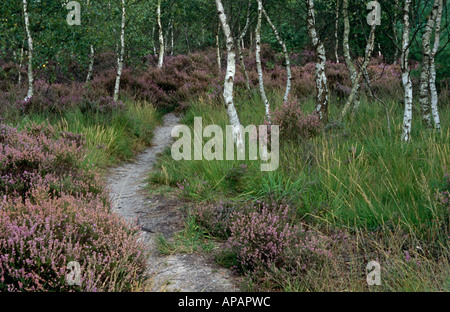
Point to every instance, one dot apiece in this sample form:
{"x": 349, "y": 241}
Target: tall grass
{"x": 354, "y": 176}
{"x": 110, "y": 137}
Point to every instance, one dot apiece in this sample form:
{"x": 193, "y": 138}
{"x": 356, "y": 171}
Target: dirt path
{"x": 178, "y": 272}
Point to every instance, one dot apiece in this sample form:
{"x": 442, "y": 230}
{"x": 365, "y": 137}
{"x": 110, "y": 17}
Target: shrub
{"x": 260, "y": 238}
{"x": 54, "y": 210}
{"x": 294, "y": 124}
{"x": 41, "y": 235}
{"x": 263, "y": 237}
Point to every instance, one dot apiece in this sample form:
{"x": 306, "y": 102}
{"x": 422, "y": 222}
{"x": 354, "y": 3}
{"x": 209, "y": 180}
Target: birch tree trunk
{"x": 91, "y": 64}
{"x": 219, "y": 58}
{"x": 30, "y": 53}
{"x": 336, "y": 37}
{"x": 394, "y": 31}
{"x": 229, "y": 78}
{"x": 240, "y": 49}
{"x": 258, "y": 62}
{"x": 161, "y": 36}
{"x": 424, "y": 99}
{"x": 346, "y": 47}
{"x": 432, "y": 82}
{"x": 153, "y": 40}
{"x": 19, "y": 79}
{"x": 362, "y": 70}
{"x": 286, "y": 57}
{"x": 91, "y": 58}
{"x": 406, "y": 77}
{"x": 321, "y": 78}
{"x": 121, "y": 54}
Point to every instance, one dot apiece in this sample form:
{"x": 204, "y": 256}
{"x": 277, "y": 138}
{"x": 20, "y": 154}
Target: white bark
{"x": 258, "y": 62}
{"x": 91, "y": 59}
{"x": 321, "y": 78}
{"x": 348, "y": 59}
{"x": 425, "y": 70}
{"x": 30, "y": 53}
{"x": 19, "y": 80}
{"x": 161, "y": 36}
{"x": 432, "y": 82}
{"x": 286, "y": 57}
{"x": 153, "y": 40}
{"x": 121, "y": 54}
{"x": 91, "y": 64}
{"x": 394, "y": 30}
{"x": 229, "y": 78}
{"x": 362, "y": 70}
{"x": 406, "y": 77}
{"x": 240, "y": 49}
{"x": 219, "y": 58}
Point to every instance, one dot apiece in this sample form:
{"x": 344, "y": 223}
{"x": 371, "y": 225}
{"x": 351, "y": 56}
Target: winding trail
{"x": 157, "y": 214}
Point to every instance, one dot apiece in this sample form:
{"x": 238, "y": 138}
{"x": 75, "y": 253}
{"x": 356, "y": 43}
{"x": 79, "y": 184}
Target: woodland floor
{"x": 163, "y": 215}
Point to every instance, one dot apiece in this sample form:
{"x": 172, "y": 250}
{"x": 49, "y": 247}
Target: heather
{"x": 54, "y": 210}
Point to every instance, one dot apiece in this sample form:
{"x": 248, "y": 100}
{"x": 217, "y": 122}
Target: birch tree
{"x": 286, "y": 57}
{"x": 240, "y": 49}
{"x": 229, "y": 78}
{"x": 91, "y": 58}
{"x": 425, "y": 70}
{"x": 121, "y": 54}
{"x": 406, "y": 77}
{"x": 336, "y": 28}
{"x": 160, "y": 35}
{"x": 346, "y": 48}
{"x": 432, "y": 83}
{"x": 30, "y": 53}
{"x": 356, "y": 81}
{"x": 320, "y": 76}
{"x": 219, "y": 58}
{"x": 258, "y": 61}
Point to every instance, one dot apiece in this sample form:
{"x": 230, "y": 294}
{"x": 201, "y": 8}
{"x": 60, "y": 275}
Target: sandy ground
{"x": 159, "y": 214}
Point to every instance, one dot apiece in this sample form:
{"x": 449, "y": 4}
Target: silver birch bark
{"x": 258, "y": 62}
{"x": 394, "y": 31}
{"x": 161, "y": 36}
{"x": 432, "y": 82}
{"x": 153, "y": 40}
{"x": 286, "y": 57}
{"x": 219, "y": 59}
{"x": 346, "y": 47}
{"x": 362, "y": 70}
{"x": 229, "y": 78}
{"x": 320, "y": 76}
{"x": 121, "y": 54}
{"x": 424, "y": 99}
{"x": 30, "y": 53}
{"x": 91, "y": 59}
{"x": 19, "y": 80}
{"x": 406, "y": 77}
{"x": 240, "y": 49}
{"x": 91, "y": 64}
